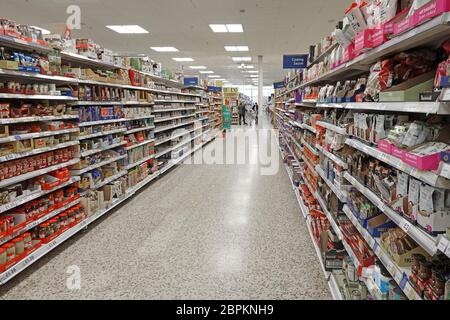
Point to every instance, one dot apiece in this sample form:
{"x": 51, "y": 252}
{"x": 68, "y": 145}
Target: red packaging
{"x": 431, "y": 10}
{"x": 363, "y": 41}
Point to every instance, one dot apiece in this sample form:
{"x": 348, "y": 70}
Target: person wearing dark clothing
{"x": 241, "y": 110}
{"x": 256, "y": 110}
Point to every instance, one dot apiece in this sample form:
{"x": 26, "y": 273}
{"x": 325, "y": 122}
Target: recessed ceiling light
{"x": 254, "y": 76}
{"x": 252, "y": 71}
{"x": 236, "y": 48}
{"x": 207, "y": 72}
{"x": 221, "y": 79}
{"x": 214, "y": 76}
{"x": 245, "y": 67}
{"x": 225, "y": 81}
{"x": 241, "y": 59}
{"x": 197, "y": 67}
{"x": 44, "y": 31}
{"x": 183, "y": 59}
{"x": 164, "y": 49}
{"x": 127, "y": 28}
{"x": 222, "y": 28}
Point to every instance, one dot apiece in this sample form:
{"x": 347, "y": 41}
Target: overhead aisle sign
{"x": 278, "y": 85}
{"x": 191, "y": 81}
{"x": 295, "y": 61}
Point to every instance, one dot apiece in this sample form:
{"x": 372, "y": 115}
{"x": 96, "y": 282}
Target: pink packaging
{"x": 385, "y": 146}
{"x": 429, "y": 162}
{"x": 379, "y": 36}
{"x": 349, "y": 53}
{"x": 397, "y": 152}
{"x": 363, "y": 40}
{"x": 404, "y": 25}
{"x": 431, "y": 10}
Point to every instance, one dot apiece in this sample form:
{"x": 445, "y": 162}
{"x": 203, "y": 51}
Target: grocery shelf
{"x": 444, "y": 245}
{"x": 332, "y": 127}
{"x": 139, "y": 129}
{"x": 109, "y": 180}
{"x": 37, "y": 222}
{"x": 323, "y": 55}
{"x": 341, "y": 196}
{"x": 36, "y": 173}
{"x": 157, "y": 143}
{"x": 425, "y": 240}
{"x": 37, "y": 119}
{"x": 334, "y": 288}
{"x": 100, "y": 122}
{"x": 101, "y": 149}
{"x": 135, "y": 164}
{"x": 332, "y": 157}
{"x": 33, "y": 152}
{"x": 429, "y": 177}
{"x": 173, "y": 127}
{"x": 330, "y": 218}
{"x": 310, "y": 166}
{"x": 25, "y": 136}
{"x": 174, "y": 101}
{"x": 97, "y": 165}
{"x": 307, "y": 127}
{"x": 99, "y": 103}
{"x": 412, "y": 107}
{"x": 134, "y": 146}
{"x": 17, "y": 43}
{"x": 311, "y": 148}
{"x": 173, "y": 118}
{"x": 397, "y": 273}
{"x": 101, "y": 133}
{"x": 148, "y": 116}
{"x": 170, "y": 110}
{"x": 167, "y": 150}
{"x": 36, "y": 97}
{"x": 22, "y": 200}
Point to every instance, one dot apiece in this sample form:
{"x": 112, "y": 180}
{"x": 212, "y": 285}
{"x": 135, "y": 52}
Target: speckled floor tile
{"x": 199, "y": 232}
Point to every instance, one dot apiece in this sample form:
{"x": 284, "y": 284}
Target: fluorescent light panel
{"x": 44, "y": 31}
{"x": 223, "y": 28}
{"x": 207, "y": 72}
{"x": 236, "y": 48}
{"x": 164, "y": 49}
{"x": 214, "y": 76}
{"x": 246, "y": 67}
{"x": 252, "y": 71}
{"x": 183, "y": 59}
{"x": 197, "y": 67}
{"x": 254, "y": 76}
{"x": 241, "y": 59}
{"x": 129, "y": 28}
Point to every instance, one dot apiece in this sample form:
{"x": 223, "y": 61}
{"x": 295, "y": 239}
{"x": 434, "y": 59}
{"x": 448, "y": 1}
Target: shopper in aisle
{"x": 256, "y": 110}
{"x": 242, "y": 111}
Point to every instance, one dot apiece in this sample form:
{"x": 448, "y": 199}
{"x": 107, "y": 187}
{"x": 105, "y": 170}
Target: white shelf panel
{"x": 330, "y": 217}
{"x": 426, "y": 241}
{"x": 100, "y": 122}
{"x": 341, "y": 196}
{"x": 140, "y": 118}
{"x": 19, "y": 137}
{"x": 36, "y": 97}
{"x": 310, "y": 166}
{"x": 170, "y": 110}
{"x": 175, "y": 101}
{"x": 157, "y": 143}
{"x": 135, "y": 164}
{"x": 139, "y": 144}
{"x": 173, "y": 127}
{"x": 109, "y": 180}
{"x": 97, "y": 165}
{"x": 22, "y": 44}
{"x": 102, "y": 133}
{"x": 426, "y": 176}
{"x": 311, "y": 148}
{"x": 111, "y": 146}
{"x": 139, "y": 129}
{"x": 332, "y": 157}
{"x": 35, "y": 195}
{"x": 307, "y": 127}
{"x": 332, "y": 127}
{"x": 15, "y": 74}
{"x": 37, "y": 119}
{"x": 33, "y": 152}
{"x": 157, "y": 120}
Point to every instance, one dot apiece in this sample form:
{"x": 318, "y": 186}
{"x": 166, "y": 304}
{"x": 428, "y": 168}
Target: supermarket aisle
{"x": 201, "y": 232}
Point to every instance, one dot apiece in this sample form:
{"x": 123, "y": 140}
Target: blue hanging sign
{"x": 295, "y": 61}
{"x": 278, "y": 85}
{"x": 191, "y": 81}
{"x": 215, "y": 89}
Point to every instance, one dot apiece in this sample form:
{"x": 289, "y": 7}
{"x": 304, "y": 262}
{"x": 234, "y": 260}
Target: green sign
{"x": 226, "y": 118}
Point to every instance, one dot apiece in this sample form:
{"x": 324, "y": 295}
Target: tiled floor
{"x": 200, "y": 232}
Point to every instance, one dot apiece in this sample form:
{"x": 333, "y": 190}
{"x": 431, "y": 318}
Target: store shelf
{"x": 97, "y": 165}
{"x": 36, "y": 97}
{"x": 22, "y": 200}
{"x": 109, "y": 180}
{"x": 323, "y": 55}
{"x": 175, "y": 101}
{"x": 139, "y": 129}
{"x": 33, "y": 174}
{"x": 99, "y": 103}
{"x": 98, "y": 150}
{"x": 307, "y": 127}
{"x": 182, "y": 143}
{"x": 173, "y": 127}
{"x": 149, "y": 116}
{"x": 397, "y": 273}
{"x": 341, "y": 196}
{"x": 332, "y": 127}
{"x": 157, "y": 120}
{"x": 102, "y": 133}
{"x": 426, "y": 176}
{"x": 79, "y": 60}
{"x": 311, "y": 148}
{"x": 33, "y": 152}
{"x": 37, "y": 222}
{"x": 25, "y": 136}
{"x": 332, "y": 157}
{"x": 411, "y": 107}
{"x": 139, "y": 144}
{"x": 157, "y": 143}
{"x": 37, "y": 119}
{"x": 100, "y": 122}
{"x": 334, "y": 288}
{"x": 16, "y": 43}
{"x": 426, "y": 241}
{"x": 135, "y": 164}
{"x": 170, "y": 110}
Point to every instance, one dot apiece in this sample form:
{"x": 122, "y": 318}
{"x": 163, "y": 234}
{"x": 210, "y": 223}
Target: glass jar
{"x": 2, "y": 256}
{"x": 63, "y": 219}
{"x": 28, "y": 243}
{"x": 44, "y": 230}
{"x": 18, "y": 245}
{"x": 10, "y": 251}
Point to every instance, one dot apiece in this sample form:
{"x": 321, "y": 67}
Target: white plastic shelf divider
{"x": 33, "y": 152}
{"x": 332, "y": 157}
{"x": 332, "y": 127}
{"x": 97, "y": 165}
{"x": 35, "y": 195}
{"x": 333, "y": 188}
{"x": 33, "y": 174}
{"x": 37, "y": 119}
{"x": 307, "y": 127}
{"x": 426, "y": 241}
{"x": 426, "y": 176}
{"x": 98, "y": 150}
{"x": 25, "y": 136}
{"x": 101, "y": 133}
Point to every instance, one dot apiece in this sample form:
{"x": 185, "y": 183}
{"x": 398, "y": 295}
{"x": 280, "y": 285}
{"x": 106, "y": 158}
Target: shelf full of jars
{"x": 367, "y": 148}
{"x": 81, "y": 131}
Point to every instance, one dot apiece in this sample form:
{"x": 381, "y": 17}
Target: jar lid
{"x": 45, "y": 224}
{"x": 26, "y": 235}
{"x": 18, "y": 239}
{"x": 2, "y": 249}
{"x": 8, "y": 245}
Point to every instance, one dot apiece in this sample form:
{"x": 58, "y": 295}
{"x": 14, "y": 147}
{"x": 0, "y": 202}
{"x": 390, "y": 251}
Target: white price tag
{"x": 447, "y": 251}
{"x": 410, "y": 292}
{"x": 406, "y": 226}
{"x": 445, "y": 172}
{"x": 442, "y": 245}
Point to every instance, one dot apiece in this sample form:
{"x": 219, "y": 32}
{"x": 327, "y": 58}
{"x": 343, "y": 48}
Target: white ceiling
{"x": 271, "y": 28}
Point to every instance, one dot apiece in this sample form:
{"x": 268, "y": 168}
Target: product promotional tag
{"x": 405, "y": 226}
{"x": 443, "y": 243}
